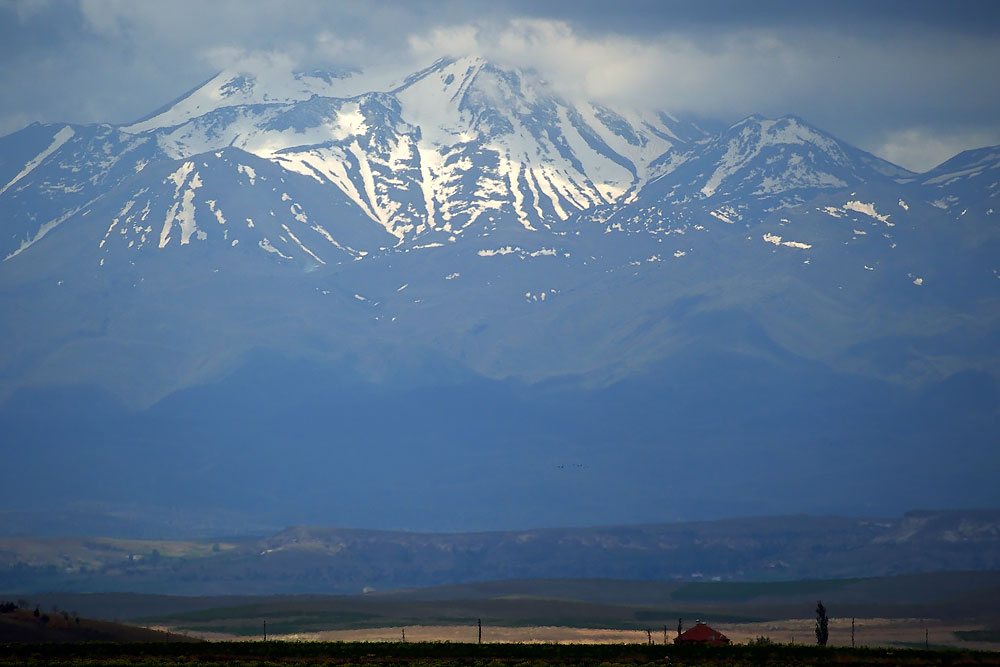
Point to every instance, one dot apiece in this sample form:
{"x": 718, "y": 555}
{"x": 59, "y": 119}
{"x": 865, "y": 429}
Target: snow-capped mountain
{"x": 465, "y": 249}
{"x": 968, "y": 182}
{"x": 462, "y": 144}
{"x": 772, "y": 163}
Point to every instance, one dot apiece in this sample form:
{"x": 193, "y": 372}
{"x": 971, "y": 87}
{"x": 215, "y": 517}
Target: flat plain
{"x": 869, "y": 632}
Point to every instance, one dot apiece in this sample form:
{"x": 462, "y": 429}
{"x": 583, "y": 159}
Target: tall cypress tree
{"x": 822, "y": 624}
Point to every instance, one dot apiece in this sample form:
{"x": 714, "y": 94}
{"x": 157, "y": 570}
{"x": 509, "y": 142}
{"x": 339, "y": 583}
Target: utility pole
{"x": 404, "y": 634}
{"x": 852, "y": 632}
{"x": 927, "y": 641}
{"x": 265, "y": 629}
{"x": 480, "y": 621}
{"x": 664, "y": 635}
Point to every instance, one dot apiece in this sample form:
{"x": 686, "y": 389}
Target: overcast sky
{"x": 913, "y": 82}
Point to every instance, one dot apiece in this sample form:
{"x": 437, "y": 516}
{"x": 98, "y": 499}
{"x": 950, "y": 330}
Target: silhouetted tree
{"x": 822, "y": 624}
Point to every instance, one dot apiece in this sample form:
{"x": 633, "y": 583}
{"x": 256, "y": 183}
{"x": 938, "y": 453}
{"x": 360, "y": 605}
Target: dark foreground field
{"x": 949, "y": 609}
{"x": 22, "y": 626}
{"x": 472, "y": 655}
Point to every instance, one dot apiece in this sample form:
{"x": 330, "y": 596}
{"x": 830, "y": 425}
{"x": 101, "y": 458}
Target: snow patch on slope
{"x": 867, "y": 209}
{"x": 61, "y": 137}
{"x": 517, "y": 250}
{"x": 776, "y": 240}
{"x": 182, "y": 210}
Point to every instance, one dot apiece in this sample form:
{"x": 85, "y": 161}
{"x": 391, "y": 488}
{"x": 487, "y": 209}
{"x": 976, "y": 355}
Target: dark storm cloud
{"x": 911, "y": 81}
{"x": 651, "y": 18}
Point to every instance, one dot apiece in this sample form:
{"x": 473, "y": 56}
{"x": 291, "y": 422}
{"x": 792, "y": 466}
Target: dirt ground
{"x": 867, "y": 632}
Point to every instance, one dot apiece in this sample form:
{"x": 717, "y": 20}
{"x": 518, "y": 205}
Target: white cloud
{"x": 456, "y": 40}
{"x": 740, "y": 70}
{"x": 862, "y": 83}
{"x": 229, "y": 57}
{"x": 920, "y": 148}
{"x": 334, "y": 47}
{"x": 614, "y": 67}
{"x": 860, "y": 89}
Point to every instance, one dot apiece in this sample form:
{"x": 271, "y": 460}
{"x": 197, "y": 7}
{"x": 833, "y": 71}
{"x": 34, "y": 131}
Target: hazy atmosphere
{"x": 450, "y": 332}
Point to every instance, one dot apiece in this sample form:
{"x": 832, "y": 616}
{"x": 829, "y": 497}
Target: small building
{"x": 701, "y": 634}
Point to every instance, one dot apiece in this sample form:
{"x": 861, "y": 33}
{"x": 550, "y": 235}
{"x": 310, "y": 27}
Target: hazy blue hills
{"x": 346, "y": 561}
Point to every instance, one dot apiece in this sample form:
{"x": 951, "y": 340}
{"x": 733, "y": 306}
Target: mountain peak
{"x": 787, "y": 129}
{"x": 263, "y": 83}
{"x": 459, "y": 80}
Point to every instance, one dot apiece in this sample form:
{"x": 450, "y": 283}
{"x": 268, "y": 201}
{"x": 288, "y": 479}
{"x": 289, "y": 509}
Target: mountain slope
{"x": 459, "y": 270}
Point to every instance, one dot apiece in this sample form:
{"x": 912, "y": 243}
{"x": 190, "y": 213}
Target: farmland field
{"x": 869, "y": 632}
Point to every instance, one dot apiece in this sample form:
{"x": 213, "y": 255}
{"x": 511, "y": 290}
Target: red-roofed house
{"x": 701, "y": 634}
